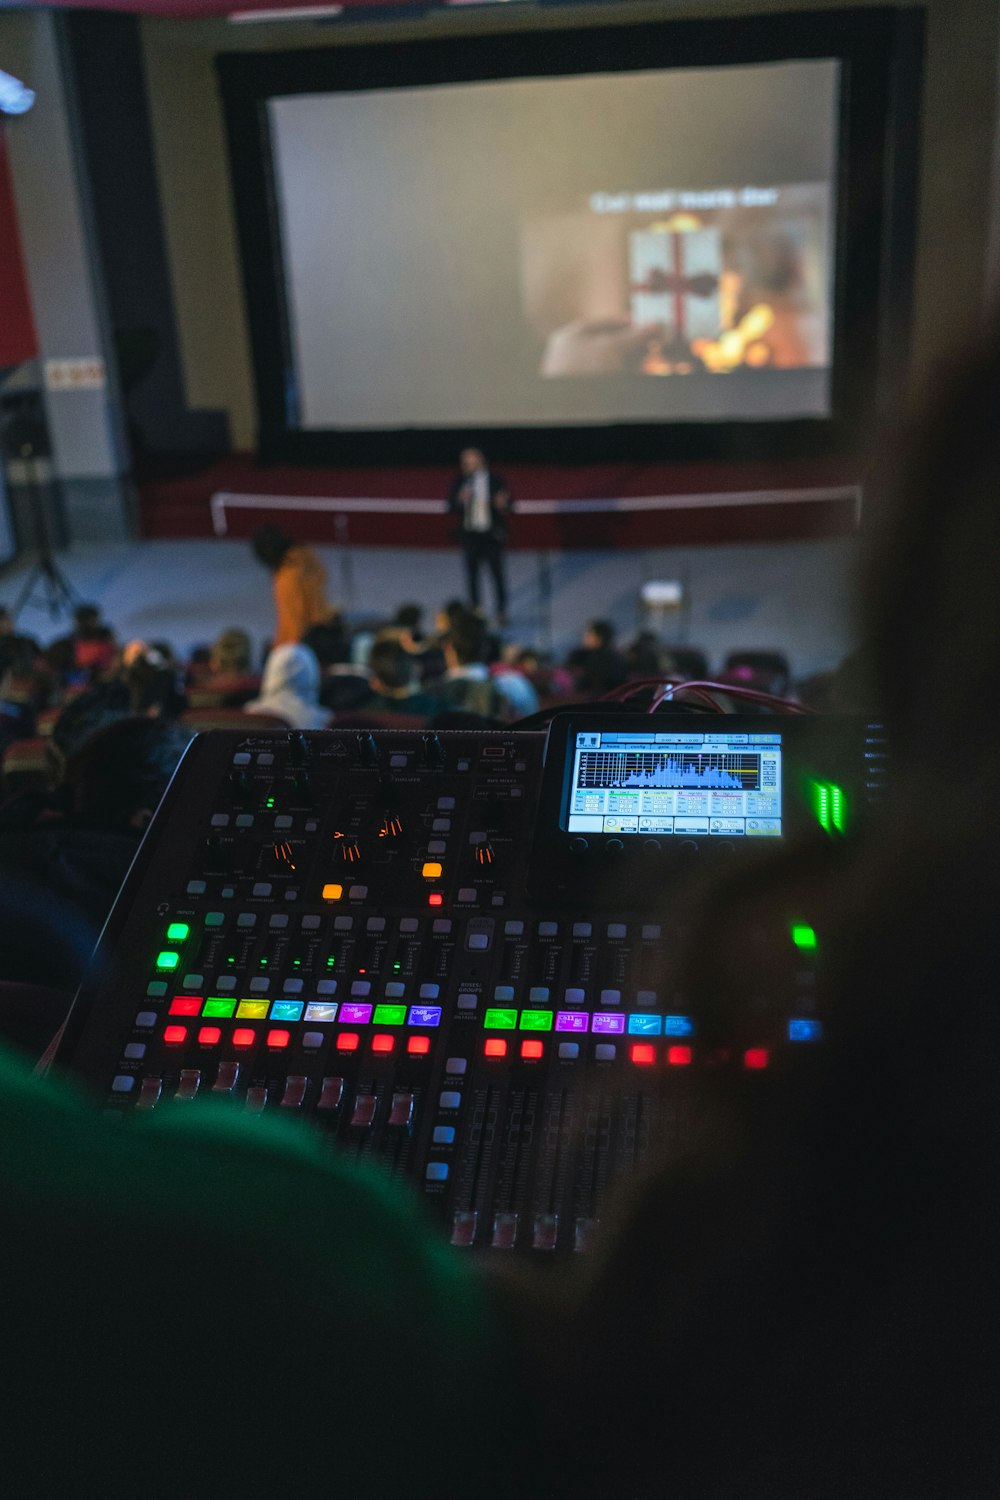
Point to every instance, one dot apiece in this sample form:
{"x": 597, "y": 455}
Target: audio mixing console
{"x": 447, "y": 958}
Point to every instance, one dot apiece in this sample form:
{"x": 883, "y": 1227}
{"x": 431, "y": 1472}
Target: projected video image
{"x": 676, "y": 282}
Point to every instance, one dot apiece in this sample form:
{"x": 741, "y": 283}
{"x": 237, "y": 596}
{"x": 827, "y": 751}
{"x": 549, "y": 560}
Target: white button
{"x": 259, "y": 986}
{"x": 437, "y": 846}
{"x": 513, "y": 929}
{"x": 450, "y": 1099}
{"x": 262, "y": 888}
{"x": 582, "y": 929}
{"x": 441, "y": 927}
{"x": 605, "y": 1051}
{"x": 408, "y": 924}
{"x": 651, "y": 931}
{"x": 441, "y": 825}
{"x": 446, "y": 804}
{"x": 196, "y": 888}
{"x": 146, "y": 1018}
{"x": 456, "y": 1065}
{"x": 220, "y": 820}
{"x": 279, "y": 920}
{"x": 466, "y": 1002}
{"x": 358, "y": 892}
{"x": 123, "y": 1084}
{"x": 343, "y": 924}
{"x": 616, "y": 929}
{"x": 569, "y": 1049}
{"x": 444, "y": 1135}
{"x": 135, "y": 1050}
{"x": 467, "y": 893}
{"x": 312, "y": 1039}
{"x": 292, "y": 986}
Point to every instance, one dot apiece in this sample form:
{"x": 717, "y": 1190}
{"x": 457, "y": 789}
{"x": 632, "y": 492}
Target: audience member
{"x": 467, "y": 684}
{"x": 597, "y": 666}
{"x": 394, "y": 686}
{"x": 299, "y": 584}
{"x": 290, "y": 688}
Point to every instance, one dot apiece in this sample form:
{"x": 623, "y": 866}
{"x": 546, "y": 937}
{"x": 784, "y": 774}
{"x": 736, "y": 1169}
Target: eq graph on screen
{"x": 669, "y": 770}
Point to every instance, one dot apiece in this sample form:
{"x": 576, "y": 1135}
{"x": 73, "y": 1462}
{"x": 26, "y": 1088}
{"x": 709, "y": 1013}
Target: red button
{"x": 348, "y": 1041}
{"x": 679, "y": 1057}
{"x": 210, "y": 1036}
{"x": 185, "y": 1005}
{"x": 643, "y": 1052}
{"x": 383, "y": 1042}
{"x": 278, "y": 1038}
{"x": 244, "y": 1036}
{"x": 496, "y": 1046}
{"x": 756, "y": 1057}
{"x": 175, "y": 1036}
{"x": 419, "y": 1045}
{"x": 532, "y": 1050}
{"x": 435, "y": 899}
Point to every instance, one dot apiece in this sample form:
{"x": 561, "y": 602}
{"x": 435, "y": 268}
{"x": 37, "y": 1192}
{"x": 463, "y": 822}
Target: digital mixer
{"x": 456, "y": 953}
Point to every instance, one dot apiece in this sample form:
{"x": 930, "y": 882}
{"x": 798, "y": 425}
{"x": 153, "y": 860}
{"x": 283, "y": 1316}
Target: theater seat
{"x": 767, "y": 670}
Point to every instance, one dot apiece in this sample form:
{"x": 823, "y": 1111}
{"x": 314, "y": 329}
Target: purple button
{"x": 355, "y": 1015}
{"x": 605, "y": 1021}
{"x": 571, "y": 1020}
{"x": 425, "y": 1015}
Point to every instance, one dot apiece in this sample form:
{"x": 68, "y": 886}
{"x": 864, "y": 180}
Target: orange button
{"x": 210, "y": 1036}
{"x": 419, "y": 1045}
{"x": 332, "y": 892}
{"x": 644, "y": 1053}
{"x": 383, "y": 1042}
{"x": 532, "y": 1050}
{"x": 496, "y": 1046}
{"x": 278, "y": 1038}
{"x": 432, "y": 869}
{"x": 244, "y": 1036}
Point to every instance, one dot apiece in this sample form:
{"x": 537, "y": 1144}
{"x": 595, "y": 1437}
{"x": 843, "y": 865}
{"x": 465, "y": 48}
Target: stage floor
{"x": 790, "y": 596}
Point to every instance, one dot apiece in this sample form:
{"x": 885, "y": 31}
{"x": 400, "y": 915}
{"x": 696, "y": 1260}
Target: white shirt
{"x": 477, "y": 509}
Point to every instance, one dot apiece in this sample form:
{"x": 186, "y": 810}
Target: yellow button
{"x": 252, "y": 1010}
{"x": 332, "y": 892}
{"x": 431, "y": 870}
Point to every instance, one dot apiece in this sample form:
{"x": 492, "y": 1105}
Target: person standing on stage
{"x": 482, "y": 501}
{"x": 299, "y": 580}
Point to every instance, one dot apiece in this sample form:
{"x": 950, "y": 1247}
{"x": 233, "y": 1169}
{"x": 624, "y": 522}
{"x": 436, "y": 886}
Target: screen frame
{"x": 880, "y": 54}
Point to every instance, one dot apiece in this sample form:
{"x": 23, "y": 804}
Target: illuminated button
{"x": 296, "y": 1088}
{"x": 167, "y": 960}
{"x": 175, "y": 1036}
{"x": 639, "y": 1024}
{"x": 644, "y": 1053}
{"x": 536, "y": 1020}
{"x": 389, "y": 1015}
{"x": 187, "y": 1085}
{"x": 607, "y": 1022}
{"x": 435, "y": 899}
{"x": 226, "y": 1078}
{"x": 330, "y": 1094}
{"x": 432, "y": 869}
{"x": 450, "y": 1099}
{"x": 135, "y": 1051}
{"x": 424, "y": 1015}
{"x": 177, "y": 932}
{"x": 185, "y": 1005}
{"x": 311, "y": 1040}
{"x": 569, "y": 1051}
{"x": 496, "y": 1046}
{"x": 355, "y": 1015}
{"x": 418, "y": 1046}
{"x": 244, "y": 1036}
{"x": 497, "y": 1019}
{"x": 456, "y": 1066}
{"x": 287, "y": 1010}
{"x": 572, "y": 1020}
{"x": 278, "y": 1039}
{"x": 146, "y": 1018}
{"x": 333, "y": 892}
{"x": 437, "y": 1171}
{"x": 605, "y": 1052}
{"x": 122, "y": 1083}
{"x": 678, "y": 1025}
{"x": 383, "y": 1041}
{"x": 531, "y": 1051}
{"x": 219, "y": 1008}
{"x": 251, "y": 1010}
{"x": 679, "y": 1056}
{"x": 803, "y": 936}
{"x": 209, "y": 1036}
{"x": 348, "y": 1041}
{"x": 756, "y": 1057}
{"x": 321, "y": 1010}
{"x": 801, "y": 1029}
{"x": 444, "y": 1135}
{"x": 477, "y": 942}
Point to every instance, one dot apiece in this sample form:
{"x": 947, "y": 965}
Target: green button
{"x": 221, "y": 1009}
{"x": 214, "y": 918}
{"x": 500, "y": 1020}
{"x": 536, "y": 1020}
{"x": 177, "y": 932}
{"x": 389, "y": 1015}
{"x": 803, "y": 936}
{"x": 167, "y": 960}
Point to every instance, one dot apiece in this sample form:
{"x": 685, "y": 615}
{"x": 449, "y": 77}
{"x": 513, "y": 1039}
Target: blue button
{"x": 802, "y": 1030}
{"x": 123, "y": 1084}
{"x": 287, "y": 1010}
{"x": 395, "y": 990}
{"x": 576, "y": 997}
{"x": 424, "y": 1015}
{"x": 642, "y": 1025}
{"x": 429, "y": 991}
{"x": 504, "y": 992}
{"x": 444, "y": 1135}
{"x": 450, "y": 1099}
{"x": 538, "y": 994}
{"x": 678, "y": 1025}
{"x": 437, "y": 1171}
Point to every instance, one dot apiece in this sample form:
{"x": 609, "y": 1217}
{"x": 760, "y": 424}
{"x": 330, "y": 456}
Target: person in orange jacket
{"x": 299, "y": 580}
